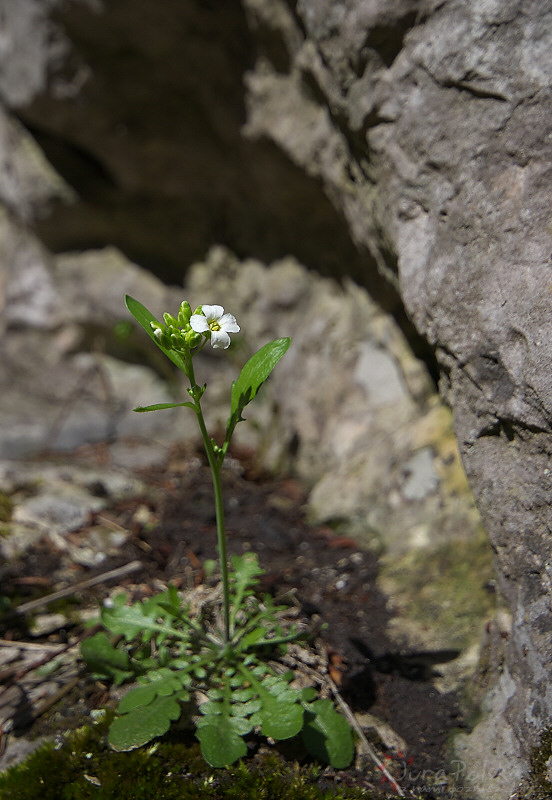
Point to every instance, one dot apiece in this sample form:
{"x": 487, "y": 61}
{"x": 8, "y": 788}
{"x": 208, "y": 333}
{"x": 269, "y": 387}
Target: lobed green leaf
{"x": 221, "y": 744}
{"x": 327, "y": 734}
{"x": 143, "y": 695}
{"x": 143, "y": 724}
{"x": 244, "y": 709}
{"x": 279, "y": 718}
{"x": 135, "y": 620}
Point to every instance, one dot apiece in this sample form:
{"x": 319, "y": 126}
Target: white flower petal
{"x": 212, "y": 312}
{"x": 228, "y": 323}
{"x": 220, "y": 339}
{"x": 199, "y": 323}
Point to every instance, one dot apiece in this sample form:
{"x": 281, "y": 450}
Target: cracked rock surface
{"x": 430, "y": 128}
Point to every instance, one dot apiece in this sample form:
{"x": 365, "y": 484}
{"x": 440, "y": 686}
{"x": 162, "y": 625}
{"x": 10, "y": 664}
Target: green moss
{"x": 84, "y": 768}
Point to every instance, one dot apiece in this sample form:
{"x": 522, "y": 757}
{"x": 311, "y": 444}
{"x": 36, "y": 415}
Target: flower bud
{"x": 162, "y": 337}
{"x": 184, "y": 314}
{"x": 170, "y": 321}
{"x": 193, "y": 339}
{"x": 199, "y": 310}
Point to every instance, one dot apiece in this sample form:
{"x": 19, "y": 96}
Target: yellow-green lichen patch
{"x": 444, "y": 595}
{"x": 6, "y": 507}
{"x": 435, "y": 430}
{"x": 538, "y": 783}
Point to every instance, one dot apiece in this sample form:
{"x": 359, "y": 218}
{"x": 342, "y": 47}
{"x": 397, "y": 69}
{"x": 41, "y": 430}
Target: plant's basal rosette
{"x": 215, "y": 324}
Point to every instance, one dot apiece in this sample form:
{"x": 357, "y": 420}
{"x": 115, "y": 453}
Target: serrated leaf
{"x": 130, "y": 621}
{"x": 104, "y": 660}
{"x": 144, "y": 317}
{"x": 246, "y": 569}
{"x": 221, "y": 744}
{"x": 327, "y": 735}
{"x": 244, "y": 577}
{"x": 143, "y": 724}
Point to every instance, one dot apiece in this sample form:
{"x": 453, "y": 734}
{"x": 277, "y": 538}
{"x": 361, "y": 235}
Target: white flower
{"x": 217, "y": 322}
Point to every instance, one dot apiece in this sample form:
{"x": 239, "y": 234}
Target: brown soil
{"x": 334, "y": 580}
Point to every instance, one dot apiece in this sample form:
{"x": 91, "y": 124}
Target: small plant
{"x": 219, "y": 668}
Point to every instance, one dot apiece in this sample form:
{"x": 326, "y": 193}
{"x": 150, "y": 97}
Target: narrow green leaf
{"x": 327, "y": 735}
{"x": 162, "y": 406}
{"x": 144, "y": 317}
{"x": 143, "y": 724}
{"x": 165, "y": 603}
{"x": 255, "y": 372}
{"x": 253, "y": 637}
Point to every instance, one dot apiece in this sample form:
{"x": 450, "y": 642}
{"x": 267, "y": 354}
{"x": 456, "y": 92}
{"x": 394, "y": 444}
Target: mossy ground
{"x": 84, "y": 768}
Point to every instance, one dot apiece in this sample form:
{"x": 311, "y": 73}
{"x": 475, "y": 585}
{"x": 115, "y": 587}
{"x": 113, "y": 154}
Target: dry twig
{"x": 32, "y": 605}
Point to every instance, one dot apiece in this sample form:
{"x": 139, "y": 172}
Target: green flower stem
{"x": 215, "y": 464}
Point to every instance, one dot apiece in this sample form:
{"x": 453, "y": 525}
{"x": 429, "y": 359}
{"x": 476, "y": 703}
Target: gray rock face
{"x": 143, "y": 117}
{"x": 405, "y": 143}
{"x": 429, "y": 124}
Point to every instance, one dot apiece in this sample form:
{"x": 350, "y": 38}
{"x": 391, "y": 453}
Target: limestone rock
{"x": 64, "y": 380}
{"x": 429, "y": 126}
